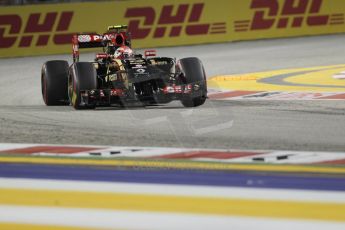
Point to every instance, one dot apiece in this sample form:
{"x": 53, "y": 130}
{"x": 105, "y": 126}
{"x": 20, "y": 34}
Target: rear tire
{"x": 83, "y": 76}
{"x": 194, "y": 73}
{"x": 193, "y": 102}
{"x": 54, "y": 82}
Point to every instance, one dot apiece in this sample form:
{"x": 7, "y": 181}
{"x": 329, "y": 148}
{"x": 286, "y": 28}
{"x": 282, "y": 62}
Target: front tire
{"x": 83, "y": 76}
{"x": 54, "y": 81}
{"x": 193, "y": 73}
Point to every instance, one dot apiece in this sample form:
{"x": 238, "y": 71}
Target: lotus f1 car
{"x": 118, "y": 76}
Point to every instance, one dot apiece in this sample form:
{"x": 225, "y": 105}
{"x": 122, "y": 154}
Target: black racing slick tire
{"x": 83, "y": 76}
{"x": 193, "y": 73}
{"x": 54, "y": 82}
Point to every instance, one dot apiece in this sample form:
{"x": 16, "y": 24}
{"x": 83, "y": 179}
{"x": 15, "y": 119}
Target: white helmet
{"x": 123, "y": 52}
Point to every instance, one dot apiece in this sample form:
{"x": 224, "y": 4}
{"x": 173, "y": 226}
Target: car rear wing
{"x": 93, "y": 40}
{"x": 81, "y": 41}
{"x": 89, "y": 40}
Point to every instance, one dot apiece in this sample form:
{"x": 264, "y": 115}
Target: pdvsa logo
{"x": 291, "y": 14}
{"x": 40, "y": 26}
{"x": 170, "y": 21}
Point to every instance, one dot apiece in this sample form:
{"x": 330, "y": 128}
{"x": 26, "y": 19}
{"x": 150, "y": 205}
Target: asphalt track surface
{"x": 272, "y": 125}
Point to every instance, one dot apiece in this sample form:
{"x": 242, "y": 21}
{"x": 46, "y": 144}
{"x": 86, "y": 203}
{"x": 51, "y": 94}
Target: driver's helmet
{"x": 123, "y": 52}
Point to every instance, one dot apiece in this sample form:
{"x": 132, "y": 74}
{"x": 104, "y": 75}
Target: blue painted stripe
{"x": 165, "y": 176}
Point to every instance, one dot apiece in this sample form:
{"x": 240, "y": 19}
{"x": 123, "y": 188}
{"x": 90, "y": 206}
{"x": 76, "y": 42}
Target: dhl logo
{"x": 169, "y": 21}
{"x": 37, "y": 25}
{"x": 291, "y": 14}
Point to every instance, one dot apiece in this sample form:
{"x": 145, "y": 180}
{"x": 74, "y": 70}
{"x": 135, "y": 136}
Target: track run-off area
{"x": 266, "y": 151}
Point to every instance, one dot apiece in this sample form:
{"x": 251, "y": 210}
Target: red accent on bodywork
{"x": 150, "y": 53}
{"x": 75, "y": 48}
{"x": 116, "y": 37}
{"x": 102, "y": 55}
{"x": 178, "y": 89}
{"x": 117, "y": 92}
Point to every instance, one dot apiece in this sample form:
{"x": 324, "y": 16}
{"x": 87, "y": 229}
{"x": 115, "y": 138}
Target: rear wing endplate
{"x": 81, "y": 41}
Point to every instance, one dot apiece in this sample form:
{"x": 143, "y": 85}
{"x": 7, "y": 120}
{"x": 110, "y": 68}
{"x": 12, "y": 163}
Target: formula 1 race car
{"x": 118, "y": 76}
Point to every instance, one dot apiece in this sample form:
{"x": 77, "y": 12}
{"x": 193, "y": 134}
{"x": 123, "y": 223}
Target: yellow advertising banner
{"x": 47, "y": 29}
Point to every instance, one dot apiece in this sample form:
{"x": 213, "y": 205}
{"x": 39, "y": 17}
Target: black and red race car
{"x": 118, "y": 76}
